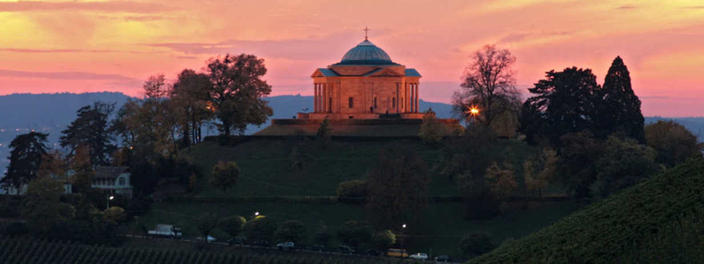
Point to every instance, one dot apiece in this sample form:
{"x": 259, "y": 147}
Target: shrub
{"x": 291, "y": 230}
{"x": 260, "y": 230}
{"x": 354, "y": 233}
{"x": 354, "y": 191}
{"x": 233, "y": 225}
{"x": 383, "y": 239}
{"x": 114, "y": 214}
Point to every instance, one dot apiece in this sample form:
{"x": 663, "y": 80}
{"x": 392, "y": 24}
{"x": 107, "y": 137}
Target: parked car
{"x": 210, "y": 238}
{"x": 419, "y": 256}
{"x": 397, "y": 252}
{"x": 286, "y": 245}
{"x": 442, "y": 258}
{"x": 163, "y": 230}
{"x": 345, "y": 249}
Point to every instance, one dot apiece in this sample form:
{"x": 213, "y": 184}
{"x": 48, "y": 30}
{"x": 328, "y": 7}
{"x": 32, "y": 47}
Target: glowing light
{"x": 256, "y": 213}
{"x": 403, "y": 226}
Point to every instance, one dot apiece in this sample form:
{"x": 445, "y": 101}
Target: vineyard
{"x": 27, "y": 251}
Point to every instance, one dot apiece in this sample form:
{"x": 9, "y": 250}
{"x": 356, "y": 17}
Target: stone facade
{"x": 366, "y": 84}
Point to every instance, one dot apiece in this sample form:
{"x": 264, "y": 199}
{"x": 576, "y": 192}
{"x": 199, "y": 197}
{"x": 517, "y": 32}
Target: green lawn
{"x": 266, "y": 165}
{"x": 266, "y": 171}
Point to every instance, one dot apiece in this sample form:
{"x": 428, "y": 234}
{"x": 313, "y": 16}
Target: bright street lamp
{"x": 109, "y": 198}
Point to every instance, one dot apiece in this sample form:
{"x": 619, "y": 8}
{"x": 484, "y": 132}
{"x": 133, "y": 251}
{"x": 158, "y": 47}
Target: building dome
{"x": 366, "y": 53}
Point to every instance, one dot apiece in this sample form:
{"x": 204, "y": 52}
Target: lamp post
{"x": 108, "y": 202}
{"x": 401, "y": 236}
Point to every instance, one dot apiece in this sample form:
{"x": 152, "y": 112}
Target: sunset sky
{"x": 86, "y": 46}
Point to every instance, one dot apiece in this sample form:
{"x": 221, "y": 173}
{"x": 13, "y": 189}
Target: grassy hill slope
{"x": 657, "y": 221}
{"x": 266, "y": 172}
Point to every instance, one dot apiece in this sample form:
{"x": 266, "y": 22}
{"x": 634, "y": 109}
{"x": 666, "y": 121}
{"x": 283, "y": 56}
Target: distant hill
{"x": 657, "y": 221}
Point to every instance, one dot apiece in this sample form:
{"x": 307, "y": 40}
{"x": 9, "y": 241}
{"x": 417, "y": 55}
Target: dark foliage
{"x": 564, "y": 102}
{"x": 397, "y": 187}
{"x": 91, "y": 130}
{"x": 25, "y": 159}
{"x": 354, "y": 191}
{"x": 354, "y": 233}
{"x": 618, "y": 107}
{"x": 673, "y": 142}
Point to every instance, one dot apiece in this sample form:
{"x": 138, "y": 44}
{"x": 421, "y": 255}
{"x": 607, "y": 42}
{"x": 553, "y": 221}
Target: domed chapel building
{"x": 366, "y": 94}
{"x": 365, "y": 84}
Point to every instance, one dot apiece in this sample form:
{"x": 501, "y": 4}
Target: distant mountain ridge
{"x": 51, "y": 113}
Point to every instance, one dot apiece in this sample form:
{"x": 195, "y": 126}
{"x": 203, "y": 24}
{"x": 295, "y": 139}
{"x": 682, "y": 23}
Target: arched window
{"x": 122, "y": 181}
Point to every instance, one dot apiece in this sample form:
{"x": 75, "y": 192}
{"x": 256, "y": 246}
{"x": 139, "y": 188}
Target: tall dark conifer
{"x": 25, "y": 159}
{"x": 90, "y": 129}
{"x": 619, "y": 109}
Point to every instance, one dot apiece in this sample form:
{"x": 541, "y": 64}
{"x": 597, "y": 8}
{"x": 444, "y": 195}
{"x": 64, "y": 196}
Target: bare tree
{"x": 489, "y": 84}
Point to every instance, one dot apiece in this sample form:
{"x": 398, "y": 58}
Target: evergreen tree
{"x": 619, "y": 109}
{"x": 25, "y": 159}
{"x": 565, "y": 101}
{"x": 91, "y": 129}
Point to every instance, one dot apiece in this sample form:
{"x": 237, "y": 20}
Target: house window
{"x": 393, "y": 102}
{"x": 351, "y": 102}
{"x": 122, "y": 181}
{"x": 375, "y": 105}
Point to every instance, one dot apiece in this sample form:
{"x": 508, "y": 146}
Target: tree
{"x": 619, "y": 107}
{"x": 236, "y": 91}
{"x": 83, "y": 171}
{"x": 577, "y": 165}
{"x": 383, "y": 239}
{"x": 623, "y": 163}
{"x": 501, "y": 181}
{"x": 114, "y": 214}
{"x": 540, "y": 171}
{"x": 489, "y": 83}
{"x": 431, "y": 130}
{"x": 206, "y": 223}
{"x": 155, "y": 87}
{"x": 43, "y": 208}
{"x": 672, "y": 142}
{"x": 225, "y": 175}
{"x": 91, "y": 129}
{"x": 291, "y": 230}
{"x": 564, "y": 102}
{"x": 190, "y": 98}
{"x": 260, "y": 230}
{"x": 352, "y": 191}
{"x": 322, "y": 235}
{"x": 397, "y": 187}
{"x": 233, "y": 225}
{"x": 324, "y": 132}
{"x": 354, "y": 233}
{"x": 25, "y": 159}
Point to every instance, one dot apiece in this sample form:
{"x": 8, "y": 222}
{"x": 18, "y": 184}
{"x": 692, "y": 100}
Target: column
{"x": 316, "y": 98}
{"x": 417, "y": 100}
